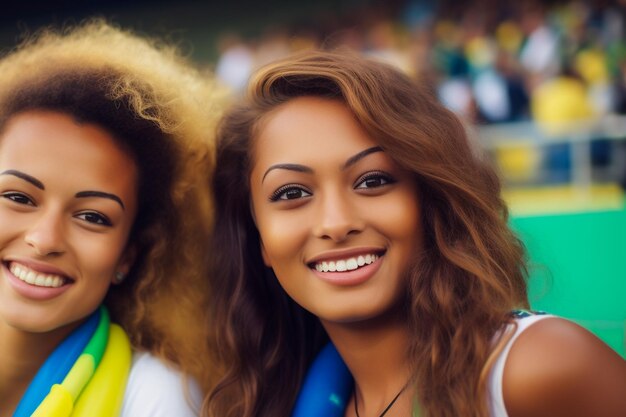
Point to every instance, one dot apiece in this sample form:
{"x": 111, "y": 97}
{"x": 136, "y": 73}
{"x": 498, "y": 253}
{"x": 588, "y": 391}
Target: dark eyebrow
{"x": 301, "y": 168}
{"x": 356, "y": 158}
{"x": 290, "y": 167}
{"x": 25, "y": 177}
{"x": 84, "y": 194}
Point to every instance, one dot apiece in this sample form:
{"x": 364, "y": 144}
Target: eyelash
{"x": 385, "y": 178}
{"x": 374, "y": 175}
{"x": 282, "y": 191}
{"x": 101, "y": 220}
{"x": 15, "y": 197}
{"x": 23, "y": 199}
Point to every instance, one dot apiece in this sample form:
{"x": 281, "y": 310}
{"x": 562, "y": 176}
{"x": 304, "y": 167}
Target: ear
{"x": 125, "y": 264}
{"x": 266, "y": 259}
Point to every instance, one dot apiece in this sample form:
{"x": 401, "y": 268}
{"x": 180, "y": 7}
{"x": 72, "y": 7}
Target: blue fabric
{"x": 56, "y": 367}
{"x": 326, "y": 388}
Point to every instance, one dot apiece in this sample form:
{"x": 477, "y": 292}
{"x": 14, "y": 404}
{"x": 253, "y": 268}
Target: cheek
{"x": 109, "y": 252}
{"x": 280, "y": 252}
{"x": 278, "y": 246}
{"x": 404, "y": 224}
{"x": 282, "y": 235}
{"x": 12, "y": 222}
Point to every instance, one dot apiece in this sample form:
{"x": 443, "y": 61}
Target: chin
{"x": 28, "y": 325}
{"x": 31, "y": 321}
{"x": 368, "y": 315}
{"x": 351, "y": 316}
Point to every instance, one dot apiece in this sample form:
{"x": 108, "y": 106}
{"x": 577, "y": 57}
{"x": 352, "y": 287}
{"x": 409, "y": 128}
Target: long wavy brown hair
{"x": 467, "y": 277}
{"x": 157, "y": 106}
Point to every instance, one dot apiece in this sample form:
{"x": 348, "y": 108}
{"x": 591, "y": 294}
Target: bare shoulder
{"x": 557, "y": 368}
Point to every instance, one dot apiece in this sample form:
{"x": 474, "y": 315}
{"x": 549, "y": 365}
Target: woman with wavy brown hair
{"x": 104, "y": 210}
{"x": 351, "y": 206}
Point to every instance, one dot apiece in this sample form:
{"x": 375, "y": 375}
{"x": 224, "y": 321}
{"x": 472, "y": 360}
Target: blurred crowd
{"x": 489, "y": 61}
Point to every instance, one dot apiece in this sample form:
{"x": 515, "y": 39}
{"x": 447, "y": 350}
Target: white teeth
{"x": 352, "y": 264}
{"x": 34, "y": 278}
{"x": 343, "y": 265}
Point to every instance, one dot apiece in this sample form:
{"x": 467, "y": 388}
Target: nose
{"x": 338, "y": 218}
{"x": 46, "y": 235}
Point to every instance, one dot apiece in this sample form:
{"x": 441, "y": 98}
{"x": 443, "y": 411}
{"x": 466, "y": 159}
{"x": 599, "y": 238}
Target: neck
{"x": 376, "y": 354}
{"x": 21, "y": 355}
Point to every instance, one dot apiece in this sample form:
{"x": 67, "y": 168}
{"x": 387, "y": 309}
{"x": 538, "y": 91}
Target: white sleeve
{"x": 157, "y": 389}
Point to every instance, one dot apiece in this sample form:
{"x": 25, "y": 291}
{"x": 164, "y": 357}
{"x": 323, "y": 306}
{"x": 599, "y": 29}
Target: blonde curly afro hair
{"x": 162, "y": 110}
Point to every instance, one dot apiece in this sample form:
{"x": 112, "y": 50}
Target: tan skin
{"x": 376, "y": 357}
{"x": 311, "y": 205}
{"x": 557, "y": 368}
{"x": 68, "y": 200}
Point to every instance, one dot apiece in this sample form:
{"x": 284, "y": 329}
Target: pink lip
{"x": 31, "y": 291}
{"x": 349, "y": 278}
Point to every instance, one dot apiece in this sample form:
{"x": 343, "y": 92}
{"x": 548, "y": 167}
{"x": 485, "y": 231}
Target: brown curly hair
{"x": 467, "y": 277}
{"x": 158, "y": 107}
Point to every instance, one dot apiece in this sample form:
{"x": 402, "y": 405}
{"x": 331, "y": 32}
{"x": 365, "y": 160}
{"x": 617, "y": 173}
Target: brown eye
{"x": 290, "y": 192}
{"x": 19, "y": 198}
{"x": 95, "y": 218}
{"x": 373, "y": 180}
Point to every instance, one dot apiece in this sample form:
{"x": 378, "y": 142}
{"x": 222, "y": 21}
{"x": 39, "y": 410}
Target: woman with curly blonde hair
{"x": 104, "y": 214}
{"x": 353, "y": 209}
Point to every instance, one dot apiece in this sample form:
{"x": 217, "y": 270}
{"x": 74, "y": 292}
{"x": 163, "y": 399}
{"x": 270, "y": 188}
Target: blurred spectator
{"x": 561, "y": 100}
{"x": 591, "y": 64}
{"x": 540, "y": 52}
{"x": 235, "y": 63}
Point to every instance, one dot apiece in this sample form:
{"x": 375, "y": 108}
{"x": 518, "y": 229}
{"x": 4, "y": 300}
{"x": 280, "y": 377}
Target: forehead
{"x": 49, "y": 130}
{"x": 306, "y": 127}
{"x": 53, "y": 145}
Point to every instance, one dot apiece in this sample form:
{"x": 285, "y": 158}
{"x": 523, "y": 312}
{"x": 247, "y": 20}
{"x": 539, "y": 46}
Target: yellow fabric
{"x": 560, "y": 101}
{"x": 591, "y": 64}
{"x": 509, "y": 36}
{"x": 104, "y": 395}
{"x": 79, "y": 375}
{"x": 56, "y": 404}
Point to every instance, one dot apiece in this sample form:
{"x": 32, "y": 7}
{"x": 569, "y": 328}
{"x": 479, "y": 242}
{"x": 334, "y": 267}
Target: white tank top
{"x": 494, "y": 385}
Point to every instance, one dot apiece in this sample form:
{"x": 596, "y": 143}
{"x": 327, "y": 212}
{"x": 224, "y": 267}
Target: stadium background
{"x": 540, "y": 84}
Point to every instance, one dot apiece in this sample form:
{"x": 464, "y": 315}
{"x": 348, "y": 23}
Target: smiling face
{"x": 68, "y": 198}
{"x": 338, "y": 219}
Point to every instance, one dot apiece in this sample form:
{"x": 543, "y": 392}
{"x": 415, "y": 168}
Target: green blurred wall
{"x": 578, "y": 269}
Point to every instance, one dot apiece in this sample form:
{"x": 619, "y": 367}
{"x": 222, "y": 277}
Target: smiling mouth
{"x": 37, "y": 279}
{"x": 348, "y": 264}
